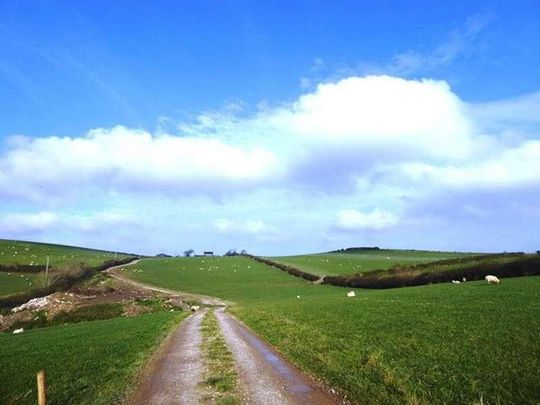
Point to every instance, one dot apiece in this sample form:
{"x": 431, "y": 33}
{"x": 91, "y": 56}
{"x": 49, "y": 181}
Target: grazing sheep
{"x": 351, "y": 294}
{"x": 17, "y": 331}
{"x": 194, "y": 308}
{"x": 297, "y": 297}
{"x": 456, "y": 282}
{"x": 464, "y": 279}
{"x": 492, "y": 280}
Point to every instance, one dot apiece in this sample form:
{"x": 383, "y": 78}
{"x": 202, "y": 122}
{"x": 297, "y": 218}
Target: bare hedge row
{"x": 284, "y": 267}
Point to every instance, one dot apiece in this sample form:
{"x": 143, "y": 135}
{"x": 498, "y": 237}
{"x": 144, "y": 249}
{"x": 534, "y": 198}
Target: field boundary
{"x": 284, "y": 267}
{"x": 406, "y": 276}
{"x": 523, "y": 265}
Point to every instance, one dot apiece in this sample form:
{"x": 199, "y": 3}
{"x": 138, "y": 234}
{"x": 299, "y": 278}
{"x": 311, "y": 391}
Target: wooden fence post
{"x": 42, "y": 387}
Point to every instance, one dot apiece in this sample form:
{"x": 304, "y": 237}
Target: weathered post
{"x": 42, "y": 387}
{"x": 47, "y": 272}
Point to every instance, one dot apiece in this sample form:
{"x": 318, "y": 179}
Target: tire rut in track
{"x": 175, "y": 375}
{"x": 265, "y": 377}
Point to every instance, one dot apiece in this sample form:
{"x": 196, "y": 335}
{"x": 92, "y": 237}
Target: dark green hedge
{"x": 523, "y": 265}
{"x": 21, "y": 268}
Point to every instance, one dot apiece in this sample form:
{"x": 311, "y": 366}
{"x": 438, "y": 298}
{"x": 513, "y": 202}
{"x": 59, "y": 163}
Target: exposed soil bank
{"x": 62, "y": 283}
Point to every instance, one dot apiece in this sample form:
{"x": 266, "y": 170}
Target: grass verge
{"x": 221, "y": 379}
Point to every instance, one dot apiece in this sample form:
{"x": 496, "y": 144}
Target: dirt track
{"x": 116, "y": 274}
{"x": 176, "y": 372}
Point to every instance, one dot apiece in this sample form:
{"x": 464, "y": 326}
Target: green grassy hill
{"x": 35, "y": 254}
{"x": 22, "y": 263}
{"x": 337, "y": 263}
{"x": 441, "y": 343}
{"x": 12, "y": 283}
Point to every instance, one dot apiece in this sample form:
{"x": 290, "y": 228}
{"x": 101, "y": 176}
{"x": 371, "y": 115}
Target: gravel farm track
{"x": 175, "y": 374}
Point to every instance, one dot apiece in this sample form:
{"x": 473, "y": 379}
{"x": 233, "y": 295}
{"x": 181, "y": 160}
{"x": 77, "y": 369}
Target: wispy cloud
{"x": 87, "y": 59}
{"x": 463, "y": 41}
{"x": 28, "y": 223}
{"x": 355, "y": 220}
{"x": 460, "y": 41}
{"x": 520, "y": 112}
{"x": 249, "y": 227}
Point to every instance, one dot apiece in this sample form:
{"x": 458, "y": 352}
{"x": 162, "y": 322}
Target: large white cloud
{"x": 417, "y": 117}
{"x": 127, "y": 160}
{"x": 373, "y": 129}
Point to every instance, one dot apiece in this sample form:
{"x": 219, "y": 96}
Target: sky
{"x": 279, "y": 127}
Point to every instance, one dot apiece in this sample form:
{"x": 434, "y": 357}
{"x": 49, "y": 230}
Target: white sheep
{"x": 17, "y": 331}
{"x": 456, "y": 282}
{"x": 194, "y": 308}
{"x": 351, "y": 294}
{"x": 492, "y": 280}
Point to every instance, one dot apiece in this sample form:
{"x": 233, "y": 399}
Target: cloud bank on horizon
{"x": 360, "y": 160}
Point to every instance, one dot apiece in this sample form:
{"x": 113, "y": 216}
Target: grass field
{"x": 441, "y": 343}
{"x": 230, "y": 278}
{"x": 323, "y": 264}
{"x": 87, "y": 363}
{"x": 32, "y": 253}
{"x": 11, "y": 283}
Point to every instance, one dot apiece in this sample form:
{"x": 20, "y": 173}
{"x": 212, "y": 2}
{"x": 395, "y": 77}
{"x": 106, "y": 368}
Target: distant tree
{"x": 188, "y": 253}
{"x": 231, "y": 252}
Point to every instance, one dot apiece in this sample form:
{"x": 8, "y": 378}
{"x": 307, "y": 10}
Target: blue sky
{"x": 282, "y": 127}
